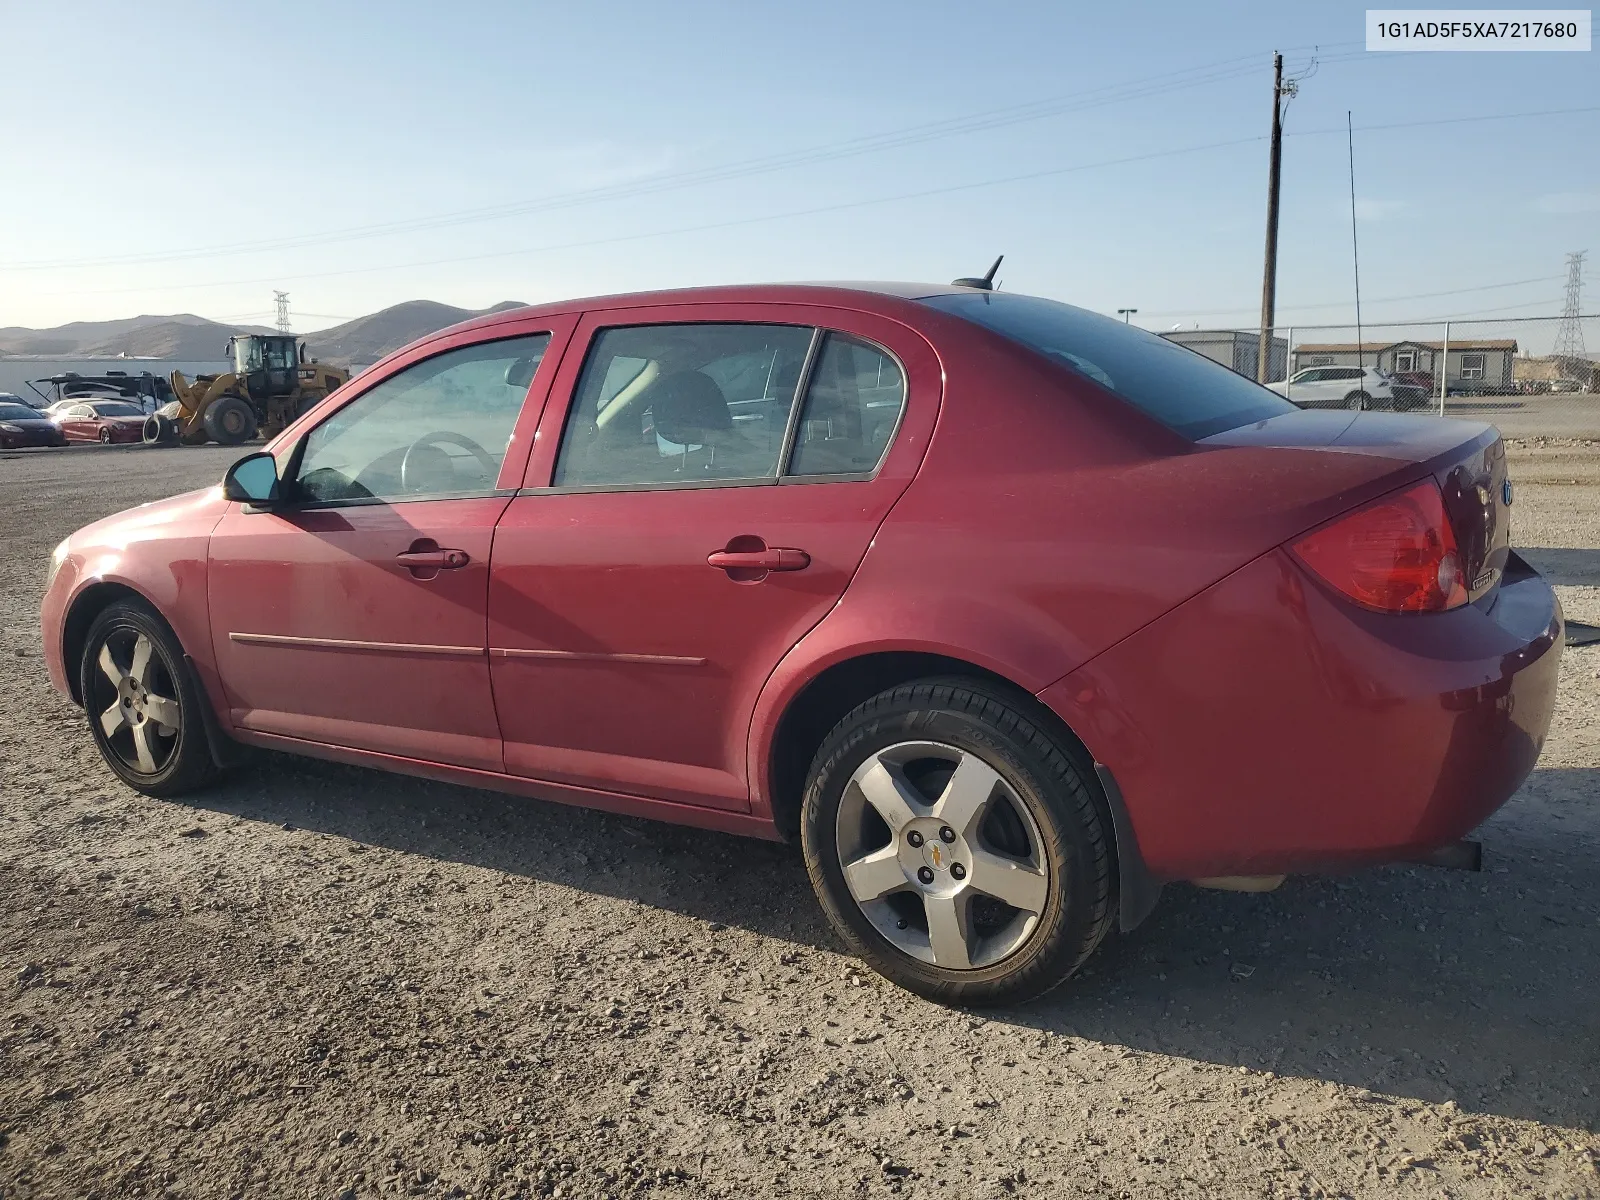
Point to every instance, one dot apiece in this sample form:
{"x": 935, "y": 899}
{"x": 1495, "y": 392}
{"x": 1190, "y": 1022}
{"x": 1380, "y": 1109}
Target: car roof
{"x": 883, "y": 297}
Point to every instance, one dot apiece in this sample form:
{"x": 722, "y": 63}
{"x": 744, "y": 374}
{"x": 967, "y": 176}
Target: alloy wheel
{"x": 941, "y": 855}
{"x": 134, "y": 696}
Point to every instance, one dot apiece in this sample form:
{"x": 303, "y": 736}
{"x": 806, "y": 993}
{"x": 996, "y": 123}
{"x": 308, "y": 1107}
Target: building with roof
{"x": 1469, "y": 366}
{"x": 1235, "y": 349}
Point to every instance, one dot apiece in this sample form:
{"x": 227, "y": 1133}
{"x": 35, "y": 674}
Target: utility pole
{"x": 1125, "y": 312}
{"x": 1355, "y": 245}
{"x": 1269, "y": 274}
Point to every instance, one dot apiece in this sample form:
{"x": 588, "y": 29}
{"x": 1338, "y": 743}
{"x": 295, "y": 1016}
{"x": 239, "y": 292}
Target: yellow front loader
{"x": 270, "y": 385}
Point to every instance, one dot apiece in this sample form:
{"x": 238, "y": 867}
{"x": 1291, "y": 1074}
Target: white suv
{"x": 1338, "y": 387}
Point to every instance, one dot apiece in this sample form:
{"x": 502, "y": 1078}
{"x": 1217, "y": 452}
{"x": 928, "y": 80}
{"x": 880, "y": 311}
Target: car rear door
{"x": 1341, "y": 383}
{"x": 355, "y": 615}
{"x": 705, "y": 482}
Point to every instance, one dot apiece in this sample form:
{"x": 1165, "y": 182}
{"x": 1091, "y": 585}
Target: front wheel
{"x": 105, "y": 437}
{"x": 230, "y": 421}
{"x": 143, "y": 706}
{"x": 956, "y": 846}
{"x": 1358, "y": 401}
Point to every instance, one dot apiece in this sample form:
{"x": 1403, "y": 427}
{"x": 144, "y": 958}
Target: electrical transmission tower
{"x": 1569, "y": 353}
{"x": 283, "y": 311}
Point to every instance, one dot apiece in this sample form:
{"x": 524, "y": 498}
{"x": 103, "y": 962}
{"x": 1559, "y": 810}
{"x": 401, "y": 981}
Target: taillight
{"x": 1397, "y": 554}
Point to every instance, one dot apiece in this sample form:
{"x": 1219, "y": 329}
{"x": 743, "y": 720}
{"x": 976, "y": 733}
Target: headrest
{"x": 690, "y": 409}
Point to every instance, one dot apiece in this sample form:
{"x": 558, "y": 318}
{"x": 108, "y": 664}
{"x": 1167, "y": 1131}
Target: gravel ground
{"x": 317, "y": 981}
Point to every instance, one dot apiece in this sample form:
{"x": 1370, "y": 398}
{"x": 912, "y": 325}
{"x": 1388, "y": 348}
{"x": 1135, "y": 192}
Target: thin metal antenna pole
{"x": 1355, "y": 250}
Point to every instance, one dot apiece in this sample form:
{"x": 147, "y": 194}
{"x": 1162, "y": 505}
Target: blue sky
{"x": 179, "y": 133}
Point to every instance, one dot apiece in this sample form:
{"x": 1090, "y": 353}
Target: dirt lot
{"x": 315, "y": 981}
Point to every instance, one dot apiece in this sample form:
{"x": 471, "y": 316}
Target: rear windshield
{"x": 1183, "y": 390}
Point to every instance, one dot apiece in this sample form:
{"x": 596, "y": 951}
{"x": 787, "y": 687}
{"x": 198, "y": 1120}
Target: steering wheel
{"x": 410, "y": 464}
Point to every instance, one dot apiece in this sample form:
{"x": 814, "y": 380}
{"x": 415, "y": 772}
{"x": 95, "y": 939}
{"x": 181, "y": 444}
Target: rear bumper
{"x": 1266, "y": 726}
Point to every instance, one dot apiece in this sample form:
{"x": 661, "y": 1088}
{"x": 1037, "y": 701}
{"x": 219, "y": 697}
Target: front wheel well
{"x": 88, "y": 605}
{"x": 825, "y": 701}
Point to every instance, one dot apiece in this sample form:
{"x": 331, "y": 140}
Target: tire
{"x": 159, "y": 430}
{"x": 1037, "y": 829}
{"x": 230, "y": 421}
{"x": 144, "y": 691}
{"x": 105, "y": 437}
{"x": 1358, "y": 401}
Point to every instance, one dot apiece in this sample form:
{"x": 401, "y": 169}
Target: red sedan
{"x": 1008, "y": 612}
{"x": 104, "y": 421}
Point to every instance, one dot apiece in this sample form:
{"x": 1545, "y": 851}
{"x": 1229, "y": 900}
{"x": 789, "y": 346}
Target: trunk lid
{"x": 1466, "y": 458}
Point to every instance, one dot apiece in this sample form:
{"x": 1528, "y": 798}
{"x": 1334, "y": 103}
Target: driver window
{"x": 438, "y": 428}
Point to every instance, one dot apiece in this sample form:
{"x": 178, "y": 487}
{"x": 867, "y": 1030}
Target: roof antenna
{"x": 985, "y": 284}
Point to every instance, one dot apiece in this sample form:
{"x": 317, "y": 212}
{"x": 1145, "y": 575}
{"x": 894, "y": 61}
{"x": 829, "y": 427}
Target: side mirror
{"x": 302, "y": 352}
{"x": 252, "y": 480}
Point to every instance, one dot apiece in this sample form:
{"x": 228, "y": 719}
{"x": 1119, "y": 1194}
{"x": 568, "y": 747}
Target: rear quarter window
{"x": 1185, "y": 391}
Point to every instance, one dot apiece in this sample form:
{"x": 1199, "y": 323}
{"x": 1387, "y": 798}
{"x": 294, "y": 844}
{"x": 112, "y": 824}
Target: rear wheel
{"x": 229, "y": 421}
{"x": 105, "y": 437}
{"x": 955, "y": 845}
{"x": 1358, "y": 401}
{"x": 142, "y": 704}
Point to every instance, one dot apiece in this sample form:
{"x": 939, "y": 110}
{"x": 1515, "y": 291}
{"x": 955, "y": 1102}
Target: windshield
{"x": 17, "y": 412}
{"x": 1185, "y": 391}
{"x": 117, "y": 409}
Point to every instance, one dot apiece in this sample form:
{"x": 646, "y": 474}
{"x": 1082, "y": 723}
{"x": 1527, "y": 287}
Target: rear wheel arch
{"x": 834, "y": 692}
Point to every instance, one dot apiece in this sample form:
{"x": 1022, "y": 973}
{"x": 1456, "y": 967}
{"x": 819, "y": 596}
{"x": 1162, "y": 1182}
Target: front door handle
{"x": 436, "y": 560}
{"x": 426, "y": 559}
{"x": 773, "y": 558}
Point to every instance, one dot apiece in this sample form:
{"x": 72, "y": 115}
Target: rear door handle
{"x": 773, "y": 558}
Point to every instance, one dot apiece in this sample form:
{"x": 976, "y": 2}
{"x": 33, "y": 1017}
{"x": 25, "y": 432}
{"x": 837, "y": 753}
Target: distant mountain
{"x": 186, "y": 336}
{"x": 183, "y": 335}
{"x": 369, "y": 338}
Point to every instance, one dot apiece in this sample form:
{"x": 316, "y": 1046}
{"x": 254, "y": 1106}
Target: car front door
{"x": 1301, "y": 388}
{"x": 78, "y": 423}
{"x": 354, "y": 613}
{"x": 705, "y": 482}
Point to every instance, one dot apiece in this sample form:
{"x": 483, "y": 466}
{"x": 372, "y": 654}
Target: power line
{"x": 822, "y": 209}
{"x": 1227, "y": 69}
{"x": 1487, "y": 287}
{"x": 710, "y": 226}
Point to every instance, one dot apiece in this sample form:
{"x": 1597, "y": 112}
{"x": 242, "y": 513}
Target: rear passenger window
{"x": 667, "y": 404}
{"x": 852, "y": 407}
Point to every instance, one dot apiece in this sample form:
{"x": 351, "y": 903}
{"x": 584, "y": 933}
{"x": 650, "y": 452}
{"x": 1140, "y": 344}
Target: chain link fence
{"x": 1532, "y": 377}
